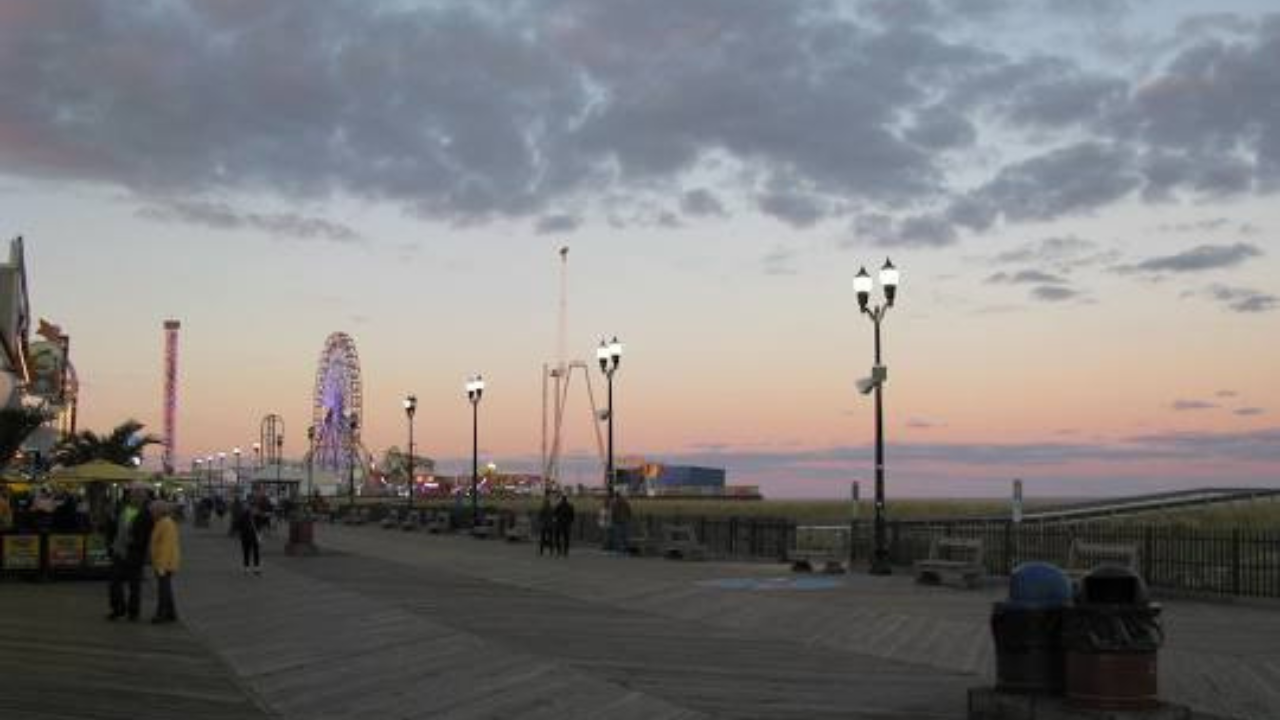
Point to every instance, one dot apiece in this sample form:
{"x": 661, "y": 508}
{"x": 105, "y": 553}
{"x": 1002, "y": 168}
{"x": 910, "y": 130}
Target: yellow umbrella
{"x": 96, "y": 471}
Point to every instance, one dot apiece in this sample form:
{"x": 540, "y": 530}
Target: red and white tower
{"x": 170, "y": 394}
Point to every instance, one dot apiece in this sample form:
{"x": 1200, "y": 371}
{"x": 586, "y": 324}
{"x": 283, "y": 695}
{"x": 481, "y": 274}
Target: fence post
{"x": 1235, "y": 561}
{"x": 1008, "y": 547}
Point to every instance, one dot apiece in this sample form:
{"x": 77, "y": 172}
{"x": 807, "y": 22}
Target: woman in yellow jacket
{"x": 166, "y": 556}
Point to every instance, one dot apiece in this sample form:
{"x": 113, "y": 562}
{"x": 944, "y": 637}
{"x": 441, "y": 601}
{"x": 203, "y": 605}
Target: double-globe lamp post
{"x": 475, "y": 389}
{"x": 610, "y": 355}
{"x": 410, "y": 407}
{"x": 862, "y": 286}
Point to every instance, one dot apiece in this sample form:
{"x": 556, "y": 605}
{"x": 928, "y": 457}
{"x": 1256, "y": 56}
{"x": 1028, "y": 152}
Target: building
{"x": 655, "y": 479}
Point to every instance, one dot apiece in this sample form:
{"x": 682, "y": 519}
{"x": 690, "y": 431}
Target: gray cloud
{"x": 221, "y": 216}
{"x": 1196, "y": 259}
{"x": 1051, "y": 249}
{"x": 471, "y": 112}
{"x": 1226, "y": 393}
{"x": 553, "y": 224}
{"x": 701, "y": 202}
{"x": 780, "y": 261}
{"x": 1249, "y": 411}
{"x": 1186, "y": 405}
{"x": 1054, "y": 293}
{"x": 1022, "y": 277}
{"x": 923, "y": 424}
{"x": 1243, "y": 300}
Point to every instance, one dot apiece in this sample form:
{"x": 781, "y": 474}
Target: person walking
{"x": 129, "y": 535}
{"x": 563, "y": 520}
{"x": 166, "y": 556}
{"x": 546, "y": 526}
{"x": 246, "y": 527}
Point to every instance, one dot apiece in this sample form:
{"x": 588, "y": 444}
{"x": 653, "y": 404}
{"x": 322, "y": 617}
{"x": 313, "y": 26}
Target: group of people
{"x": 142, "y": 531}
{"x": 555, "y": 522}
{"x": 45, "y": 511}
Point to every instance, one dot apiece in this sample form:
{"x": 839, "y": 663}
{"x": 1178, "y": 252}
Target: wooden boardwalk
{"x": 386, "y": 624}
{"x": 59, "y": 659}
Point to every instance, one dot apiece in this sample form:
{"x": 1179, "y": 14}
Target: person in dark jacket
{"x": 563, "y": 516}
{"x": 546, "y": 526}
{"x": 128, "y": 540}
{"x": 246, "y": 526}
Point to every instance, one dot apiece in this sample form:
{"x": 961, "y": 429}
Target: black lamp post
{"x": 353, "y": 424}
{"x": 410, "y": 407}
{"x": 279, "y": 456}
{"x": 475, "y": 388}
{"x": 862, "y": 287}
{"x": 236, "y": 452}
{"x": 610, "y": 355}
{"x": 257, "y": 456}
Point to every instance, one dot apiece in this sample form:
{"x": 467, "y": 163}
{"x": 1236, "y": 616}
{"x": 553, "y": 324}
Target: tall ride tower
{"x": 170, "y": 394}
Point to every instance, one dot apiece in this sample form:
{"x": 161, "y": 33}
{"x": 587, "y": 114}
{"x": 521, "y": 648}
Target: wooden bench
{"x": 816, "y": 546}
{"x": 680, "y": 542}
{"x": 520, "y": 531}
{"x": 955, "y": 559}
{"x": 439, "y": 523}
{"x": 1083, "y": 557}
{"x": 484, "y": 529}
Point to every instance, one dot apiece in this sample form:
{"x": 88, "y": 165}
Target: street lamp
{"x": 410, "y": 407}
{"x": 197, "y": 470}
{"x": 236, "y": 452}
{"x": 353, "y": 424}
{"x": 610, "y": 355}
{"x": 257, "y": 456}
{"x": 279, "y": 457}
{"x": 862, "y": 285}
{"x": 475, "y": 389}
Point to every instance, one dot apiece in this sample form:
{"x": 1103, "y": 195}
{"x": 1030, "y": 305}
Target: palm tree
{"x": 121, "y": 446}
{"x": 16, "y": 423}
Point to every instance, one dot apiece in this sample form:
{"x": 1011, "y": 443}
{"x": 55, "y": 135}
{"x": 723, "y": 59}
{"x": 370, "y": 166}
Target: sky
{"x": 1081, "y": 198}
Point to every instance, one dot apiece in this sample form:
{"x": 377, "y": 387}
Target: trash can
{"x": 1027, "y": 630}
{"x": 1111, "y": 637}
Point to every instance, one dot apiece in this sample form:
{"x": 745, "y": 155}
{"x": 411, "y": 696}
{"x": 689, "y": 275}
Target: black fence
{"x": 1232, "y": 562}
{"x": 1235, "y": 562}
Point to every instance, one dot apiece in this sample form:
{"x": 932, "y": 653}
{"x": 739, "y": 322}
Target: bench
{"x": 1083, "y": 557}
{"x": 439, "y": 524}
{"x": 521, "y": 530}
{"x": 484, "y": 529}
{"x": 952, "y": 559}
{"x": 680, "y": 542}
{"x": 391, "y": 520}
{"x": 411, "y": 521}
{"x": 817, "y": 546}
{"x": 356, "y": 516}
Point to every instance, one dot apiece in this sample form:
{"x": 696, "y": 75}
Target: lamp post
{"x": 208, "y": 470}
{"x": 236, "y": 452}
{"x": 610, "y": 355}
{"x": 862, "y": 285}
{"x": 197, "y": 471}
{"x": 410, "y": 407}
{"x": 353, "y": 424}
{"x": 279, "y": 457}
{"x": 475, "y": 389}
{"x": 257, "y": 456}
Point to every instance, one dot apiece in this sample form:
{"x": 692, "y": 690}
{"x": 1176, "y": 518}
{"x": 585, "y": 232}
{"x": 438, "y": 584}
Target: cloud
{"x": 779, "y": 261}
{"x": 221, "y": 216}
{"x": 1226, "y": 394}
{"x": 1052, "y": 249}
{"x": 1054, "y": 293}
{"x": 1249, "y": 411}
{"x": 1026, "y": 277}
{"x": 1196, "y": 259}
{"x": 1188, "y": 405}
{"x": 1243, "y": 300}
{"x": 924, "y": 424}
{"x": 557, "y": 224}
{"x": 470, "y": 112}
{"x": 701, "y": 202}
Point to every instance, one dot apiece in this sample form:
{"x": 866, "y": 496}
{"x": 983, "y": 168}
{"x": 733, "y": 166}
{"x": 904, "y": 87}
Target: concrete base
{"x": 989, "y": 704}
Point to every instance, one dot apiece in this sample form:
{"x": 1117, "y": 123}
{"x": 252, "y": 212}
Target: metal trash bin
{"x": 1112, "y": 636}
{"x": 1027, "y": 630}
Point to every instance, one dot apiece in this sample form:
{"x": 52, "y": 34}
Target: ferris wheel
{"x": 338, "y": 404}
